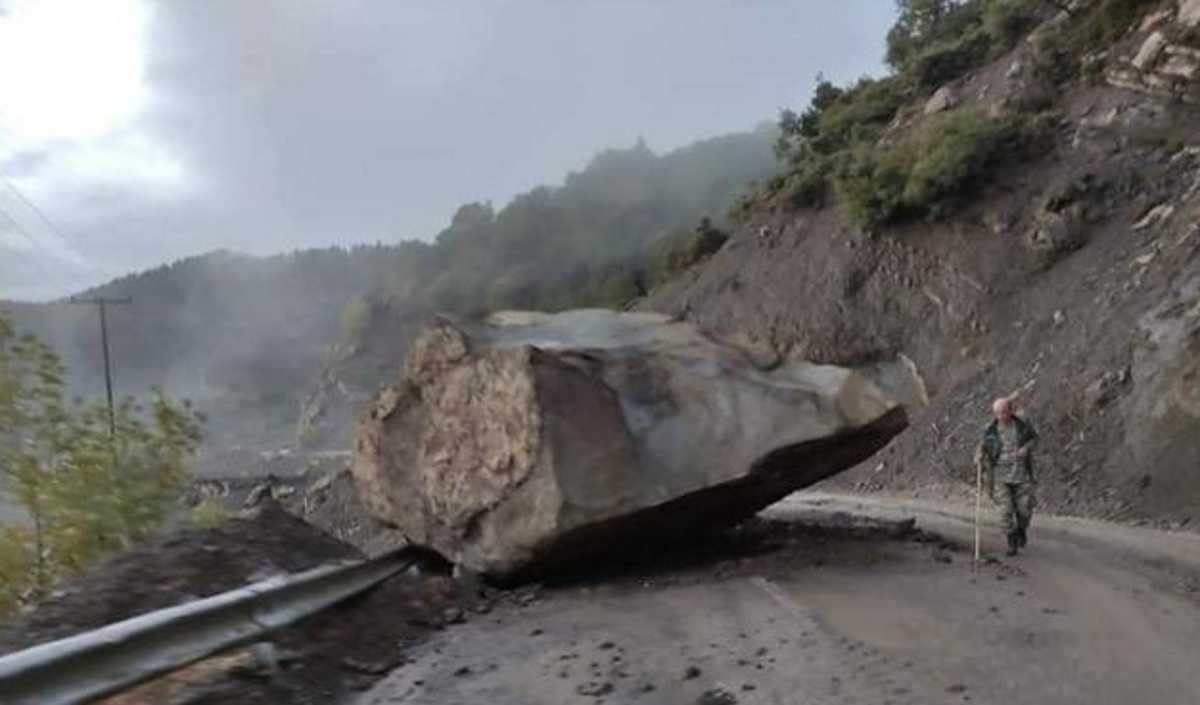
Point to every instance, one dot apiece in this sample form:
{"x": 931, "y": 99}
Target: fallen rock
{"x": 370, "y": 668}
{"x": 1155, "y": 19}
{"x": 529, "y": 440}
{"x": 717, "y": 696}
{"x": 594, "y": 688}
{"x": 1155, "y": 216}
{"x": 1189, "y": 13}
{"x": 1151, "y": 49}
{"x": 943, "y": 99}
{"x": 1055, "y": 234}
{"x": 1181, "y": 63}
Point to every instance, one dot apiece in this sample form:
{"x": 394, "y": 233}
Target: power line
{"x": 33, "y": 207}
{"x": 83, "y": 273}
{"x": 68, "y": 242}
{"x": 16, "y": 227}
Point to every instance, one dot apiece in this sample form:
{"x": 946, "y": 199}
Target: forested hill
{"x": 244, "y": 337}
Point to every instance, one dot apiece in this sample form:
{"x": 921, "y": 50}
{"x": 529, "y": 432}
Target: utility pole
{"x": 103, "y": 303}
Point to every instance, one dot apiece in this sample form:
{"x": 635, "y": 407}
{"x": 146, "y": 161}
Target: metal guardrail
{"x": 114, "y": 657}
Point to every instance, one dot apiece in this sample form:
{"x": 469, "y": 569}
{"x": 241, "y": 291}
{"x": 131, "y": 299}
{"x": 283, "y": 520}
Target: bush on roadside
{"x": 87, "y": 491}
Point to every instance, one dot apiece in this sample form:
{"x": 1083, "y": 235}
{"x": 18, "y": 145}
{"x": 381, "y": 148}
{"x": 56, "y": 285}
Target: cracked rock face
{"x": 531, "y": 440}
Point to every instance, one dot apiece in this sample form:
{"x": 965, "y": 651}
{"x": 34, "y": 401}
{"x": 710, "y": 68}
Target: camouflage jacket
{"x": 993, "y": 446}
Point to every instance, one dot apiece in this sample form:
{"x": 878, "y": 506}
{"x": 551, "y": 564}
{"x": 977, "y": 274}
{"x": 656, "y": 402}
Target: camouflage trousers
{"x": 1016, "y": 502}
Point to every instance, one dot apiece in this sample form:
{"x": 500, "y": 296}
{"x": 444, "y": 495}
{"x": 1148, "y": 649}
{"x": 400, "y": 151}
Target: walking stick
{"x": 978, "y": 503}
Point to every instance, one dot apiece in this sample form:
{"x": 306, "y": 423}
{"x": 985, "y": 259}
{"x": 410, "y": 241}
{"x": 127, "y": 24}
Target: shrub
{"x": 666, "y": 257}
{"x": 806, "y": 186}
{"x": 705, "y": 242}
{"x": 870, "y": 183}
{"x": 949, "y": 59}
{"x": 836, "y": 120}
{"x": 681, "y": 249}
{"x": 742, "y": 206}
{"x": 17, "y": 550}
{"x": 87, "y": 491}
{"x": 857, "y": 115}
{"x": 927, "y": 173}
{"x": 955, "y": 153}
{"x": 923, "y": 23}
{"x": 1006, "y": 21}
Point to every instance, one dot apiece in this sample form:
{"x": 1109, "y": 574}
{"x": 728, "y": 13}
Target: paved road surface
{"x": 1092, "y": 613}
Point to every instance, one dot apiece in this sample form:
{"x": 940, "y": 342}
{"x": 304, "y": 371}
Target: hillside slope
{"x": 1070, "y": 272}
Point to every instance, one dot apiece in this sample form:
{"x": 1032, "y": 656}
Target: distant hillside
{"x": 246, "y": 337}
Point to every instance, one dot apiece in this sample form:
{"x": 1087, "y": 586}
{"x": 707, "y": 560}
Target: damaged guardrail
{"x": 114, "y": 657}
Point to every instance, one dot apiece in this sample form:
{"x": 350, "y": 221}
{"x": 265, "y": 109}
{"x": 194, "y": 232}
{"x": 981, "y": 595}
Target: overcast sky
{"x": 146, "y": 131}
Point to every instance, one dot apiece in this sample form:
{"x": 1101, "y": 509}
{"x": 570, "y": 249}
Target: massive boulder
{"x": 529, "y": 440}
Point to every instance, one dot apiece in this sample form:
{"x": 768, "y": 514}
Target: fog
{"x": 145, "y": 132}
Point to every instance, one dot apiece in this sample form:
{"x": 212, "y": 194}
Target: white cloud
{"x": 73, "y": 91}
{"x": 70, "y": 69}
{"x": 150, "y": 130}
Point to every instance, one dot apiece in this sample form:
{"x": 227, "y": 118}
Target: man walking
{"x": 1005, "y": 453}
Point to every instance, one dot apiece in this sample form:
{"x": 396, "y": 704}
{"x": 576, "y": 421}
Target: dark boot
{"x": 1013, "y": 544}
{"x": 1022, "y": 538}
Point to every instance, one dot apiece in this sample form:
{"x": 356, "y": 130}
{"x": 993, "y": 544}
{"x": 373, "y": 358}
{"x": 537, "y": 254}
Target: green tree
{"x": 86, "y": 493}
{"x": 920, "y": 23}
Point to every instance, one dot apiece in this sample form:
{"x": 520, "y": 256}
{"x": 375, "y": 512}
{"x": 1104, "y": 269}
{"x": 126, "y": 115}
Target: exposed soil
{"x": 321, "y": 660}
{"x": 327, "y": 658}
{"x": 175, "y": 568}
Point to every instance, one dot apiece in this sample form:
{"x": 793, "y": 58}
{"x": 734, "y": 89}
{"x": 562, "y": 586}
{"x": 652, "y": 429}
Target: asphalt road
{"x": 1091, "y": 613}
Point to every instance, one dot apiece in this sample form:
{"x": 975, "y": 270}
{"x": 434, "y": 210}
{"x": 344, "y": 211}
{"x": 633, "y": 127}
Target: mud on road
{"x": 827, "y": 599}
